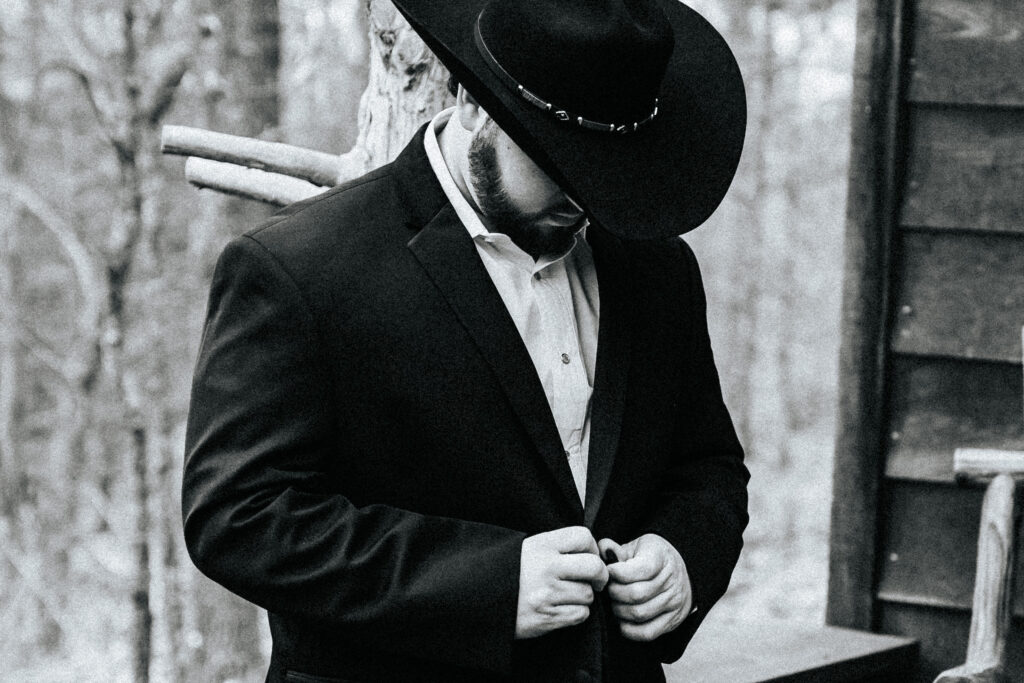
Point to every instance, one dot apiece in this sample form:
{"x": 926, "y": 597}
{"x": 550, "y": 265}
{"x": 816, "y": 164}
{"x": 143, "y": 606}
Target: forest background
{"x": 106, "y": 255}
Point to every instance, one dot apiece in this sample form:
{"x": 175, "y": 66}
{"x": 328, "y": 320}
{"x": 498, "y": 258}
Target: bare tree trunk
{"x": 119, "y": 270}
{"x": 9, "y": 466}
{"x": 407, "y": 85}
{"x": 764, "y": 418}
{"x": 251, "y": 61}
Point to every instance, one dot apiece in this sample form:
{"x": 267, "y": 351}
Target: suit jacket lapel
{"x": 447, "y": 253}
{"x": 613, "y": 352}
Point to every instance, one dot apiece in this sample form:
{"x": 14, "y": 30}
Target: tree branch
{"x": 160, "y": 95}
{"x": 86, "y": 272}
{"x": 43, "y": 594}
{"x": 104, "y": 121}
{"x": 318, "y": 168}
{"x": 41, "y": 349}
{"x": 61, "y": 21}
{"x": 272, "y": 188}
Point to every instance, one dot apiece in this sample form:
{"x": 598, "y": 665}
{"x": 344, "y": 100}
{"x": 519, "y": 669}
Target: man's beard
{"x": 494, "y": 203}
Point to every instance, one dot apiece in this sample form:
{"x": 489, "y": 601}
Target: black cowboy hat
{"x": 635, "y": 108}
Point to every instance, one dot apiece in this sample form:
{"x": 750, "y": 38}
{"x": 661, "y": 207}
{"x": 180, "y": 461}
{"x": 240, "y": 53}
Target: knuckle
{"x": 581, "y": 535}
{"x": 643, "y": 632}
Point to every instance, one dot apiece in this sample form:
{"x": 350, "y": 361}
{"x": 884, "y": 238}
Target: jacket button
{"x": 583, "y": 676}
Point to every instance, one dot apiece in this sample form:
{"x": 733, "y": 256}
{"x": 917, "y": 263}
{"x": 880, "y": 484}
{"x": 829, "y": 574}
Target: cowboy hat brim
{"x": 665, "y": 179}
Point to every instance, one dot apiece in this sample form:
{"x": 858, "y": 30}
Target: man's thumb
{"x": 611, "y": 552}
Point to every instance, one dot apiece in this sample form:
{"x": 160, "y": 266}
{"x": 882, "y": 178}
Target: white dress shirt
{"x": 554, "y": 304}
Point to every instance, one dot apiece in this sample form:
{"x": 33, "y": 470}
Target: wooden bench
{"x": 729, "y": 651}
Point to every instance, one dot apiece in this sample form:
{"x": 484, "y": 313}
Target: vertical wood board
{"x": 968, "y": 52}
{"x": 943, "y": 636}
{"x": 965, "y": 168}
{"x": 939, "y": 404}
{"x": 871, "y": 205}
{"x": 960, "y": 295}
{"x": 931, "y": 545}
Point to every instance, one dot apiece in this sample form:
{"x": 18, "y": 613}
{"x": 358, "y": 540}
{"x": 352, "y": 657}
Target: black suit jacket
{"x": 368, "y": 442}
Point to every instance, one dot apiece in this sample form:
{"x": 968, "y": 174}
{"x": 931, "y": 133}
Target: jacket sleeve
{"x": 702, "y": 508}
{"x": 260, "y": 520}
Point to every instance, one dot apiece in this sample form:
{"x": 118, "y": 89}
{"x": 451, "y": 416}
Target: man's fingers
{"x": 640, "y": 568}
{"x": 573, "y": 593}
{"x": 572, "y": 539}
{"x": 562, "y": 616}
{"x": 583, "y": 567}
{"x": 646, "y": 611}
{"x": 606, "y": 545}
{"x": 650, "y": 630}
{"x": 639, "y": 591}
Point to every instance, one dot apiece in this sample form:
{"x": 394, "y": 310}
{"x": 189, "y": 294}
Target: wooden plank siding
{"x": 968, "y": 52}
{"x": 960, "y": 295}
{"x": 930, "y": 537}
{"x": 965, "y": 168}
{"x": 936, "y": 215}
{"x": 939, "y": 404}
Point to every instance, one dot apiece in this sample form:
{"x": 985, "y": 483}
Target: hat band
{"x": 560, "y": 114}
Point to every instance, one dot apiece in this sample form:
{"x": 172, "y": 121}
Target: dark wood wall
{"x": 934, "y": 309}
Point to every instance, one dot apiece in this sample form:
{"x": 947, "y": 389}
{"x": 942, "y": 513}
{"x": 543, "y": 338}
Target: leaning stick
{"x": 272, "y": 188}
{"x": 318, "y": 168}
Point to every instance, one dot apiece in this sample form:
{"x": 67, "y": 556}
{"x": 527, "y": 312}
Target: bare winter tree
{"x": 128, "y": 96}
{"x": 406, "y": 87}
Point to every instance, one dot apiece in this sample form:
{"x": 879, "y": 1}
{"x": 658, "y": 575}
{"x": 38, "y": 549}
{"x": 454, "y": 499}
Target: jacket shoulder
{"x": 343, "y": 211}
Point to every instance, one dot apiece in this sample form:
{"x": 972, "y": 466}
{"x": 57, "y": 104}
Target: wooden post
{"x": 993, "y": 579}
{"x": 991, "y": 612}
{"x": 870, "y": 218}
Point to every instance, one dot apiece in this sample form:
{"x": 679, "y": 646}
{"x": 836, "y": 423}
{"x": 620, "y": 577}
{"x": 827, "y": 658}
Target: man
{"x": 459, "y": 420}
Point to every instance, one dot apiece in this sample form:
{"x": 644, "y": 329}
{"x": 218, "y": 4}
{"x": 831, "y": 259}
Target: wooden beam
{"x": 870, "y": 219}
{"x": 985, "y": 464}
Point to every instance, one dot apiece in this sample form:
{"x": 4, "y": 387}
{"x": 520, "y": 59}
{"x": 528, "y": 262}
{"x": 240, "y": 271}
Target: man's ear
{"x": 471, "y": 115}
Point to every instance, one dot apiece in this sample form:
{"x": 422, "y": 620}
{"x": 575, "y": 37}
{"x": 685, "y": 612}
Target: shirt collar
{"x": 465, "y": 211}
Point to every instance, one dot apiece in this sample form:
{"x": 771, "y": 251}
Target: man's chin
{"x": 549, "y": 239}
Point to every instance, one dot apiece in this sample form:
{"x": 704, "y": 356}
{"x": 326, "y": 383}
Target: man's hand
{"x": 558, "y": 575}
{"x": 649, "y": 587}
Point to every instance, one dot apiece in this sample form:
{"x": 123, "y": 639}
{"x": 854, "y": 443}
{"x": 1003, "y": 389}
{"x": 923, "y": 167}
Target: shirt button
{"x": 567, "y": 454}
{"x": 536, "y": 276}
{"x": 565, "y": 358}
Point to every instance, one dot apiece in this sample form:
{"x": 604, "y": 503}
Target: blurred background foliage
{"x": 106, "y": 255}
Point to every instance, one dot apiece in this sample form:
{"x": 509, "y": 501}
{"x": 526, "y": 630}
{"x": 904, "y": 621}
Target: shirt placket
{"x": 570, "y": 386}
